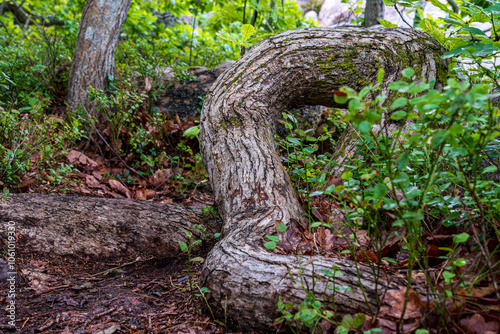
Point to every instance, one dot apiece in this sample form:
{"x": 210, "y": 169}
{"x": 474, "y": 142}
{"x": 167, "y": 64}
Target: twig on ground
{"x": 123, "y": 265}
{"x": 38, "y": 293}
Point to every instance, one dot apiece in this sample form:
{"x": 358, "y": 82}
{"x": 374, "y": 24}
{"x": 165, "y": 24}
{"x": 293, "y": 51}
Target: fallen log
{"x": 97, "y": 227}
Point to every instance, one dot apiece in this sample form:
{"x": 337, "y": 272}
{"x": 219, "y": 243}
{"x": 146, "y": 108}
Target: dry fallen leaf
{"x": 150, "y": 193}
{"x": 119, "y": 187}
{"x": 75, "y": 156}
{"x": 147, "y": 83}
{"x": 27, "y": 183}
{"x": 46, "y": 176}
{"x": 97, "y": 175}
{"x": 140, "y": 194}
{"x": 396, "y": 300}
{"x": 478, "y": 325}
{"x": 91, "y": 181}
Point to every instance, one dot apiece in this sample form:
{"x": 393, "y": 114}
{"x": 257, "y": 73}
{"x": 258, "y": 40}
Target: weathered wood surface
{"x": 96, "y": 227}
{"x": 252, "y": 189}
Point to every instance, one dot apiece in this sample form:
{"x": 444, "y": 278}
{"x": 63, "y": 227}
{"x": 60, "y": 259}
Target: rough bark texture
{"x": 374, "y": 11}
{"x": 93, "y": 59}
{"x": 251, "y": 187}
{"x": 96, "y": 227}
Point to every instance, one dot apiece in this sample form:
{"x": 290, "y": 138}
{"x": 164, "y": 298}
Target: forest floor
{"x": 126, "y": 296}
{"x": 123, "y": 296}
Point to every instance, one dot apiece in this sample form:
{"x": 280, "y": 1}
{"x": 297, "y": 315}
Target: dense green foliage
{"x": 35, "y": 61}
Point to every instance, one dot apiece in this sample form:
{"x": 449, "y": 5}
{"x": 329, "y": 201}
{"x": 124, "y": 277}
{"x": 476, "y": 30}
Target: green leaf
{"x": 270, "y": 245}
{"x": 316, "y": 193}
{"x": 400, "y": 86}
{"x": 197, "y": 259}
{"x": 340, "y": 97}
{"x": 490, "y": 169}
{"x": 247, "y": 30}
{"x": 380, "y": 75}
{"x": 387, "y": 24}
{"x": 380, "y": 190}
{"x": 358, "y": 320}
{"x": 398, "y": 115}
{"x": 448, "y": 275}
{"x": 456, "y": 22}
{"x": 329, "y": 190}
{"x": 346, "y": 175}
{"x": 192, "y": 132}
{"x": 459, "y": 262}
{"x": 315, "y": 224}
{"x": 474, "y": 49}
{"x": 462, "y": 237}
{"x": 400, "y": 102}
{"x": 308, "y": 150}
{"x": 408, "y": 72}
{"x": 273, "y": 238}
{"x": 347, "y": 321}
{"x": 480, "y": 17}
{"x": 403, "y": 160}
{"x": 474, "y": 31}
{"x": 441, "y": 6}
{"x": 183, "y": 245}
{"x": 438, "y": 138}
{"x": 364, "y": 127}
{"x": 342, "y": 329}
{"x": 456, "y": 129}
{"x": 432, "y": 28}
{"x": 421, "y": 331}
{"x": 306, "y": 315}
{"x": 280, "y": 227}
{"x": 495, "y": 9}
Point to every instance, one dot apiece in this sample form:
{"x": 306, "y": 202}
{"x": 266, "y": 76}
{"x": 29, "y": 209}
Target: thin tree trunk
{"x": 251, "y": 187}
{"x": 93, "y": 59}
{"x": 374, "y": 11}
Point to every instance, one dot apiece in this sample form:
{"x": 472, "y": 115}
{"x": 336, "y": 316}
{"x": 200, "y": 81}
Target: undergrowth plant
{"x": 435, "y": 167}
{"x": 32, "y": 133}
{"x": 193, "y": 287}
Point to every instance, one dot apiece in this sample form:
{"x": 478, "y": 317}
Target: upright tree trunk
{"x": 251, "y": 187}
{"x": 93, "y": 60}
{"x": 374, "y": 11}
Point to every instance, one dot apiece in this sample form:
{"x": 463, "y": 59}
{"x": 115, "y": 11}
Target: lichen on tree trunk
{"x": 251, "y": 187}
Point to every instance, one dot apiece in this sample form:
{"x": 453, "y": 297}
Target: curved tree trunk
{"x": 93, "y": 59}
{"x": 374, "y": 11}
{"x": 251, "y": 187}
